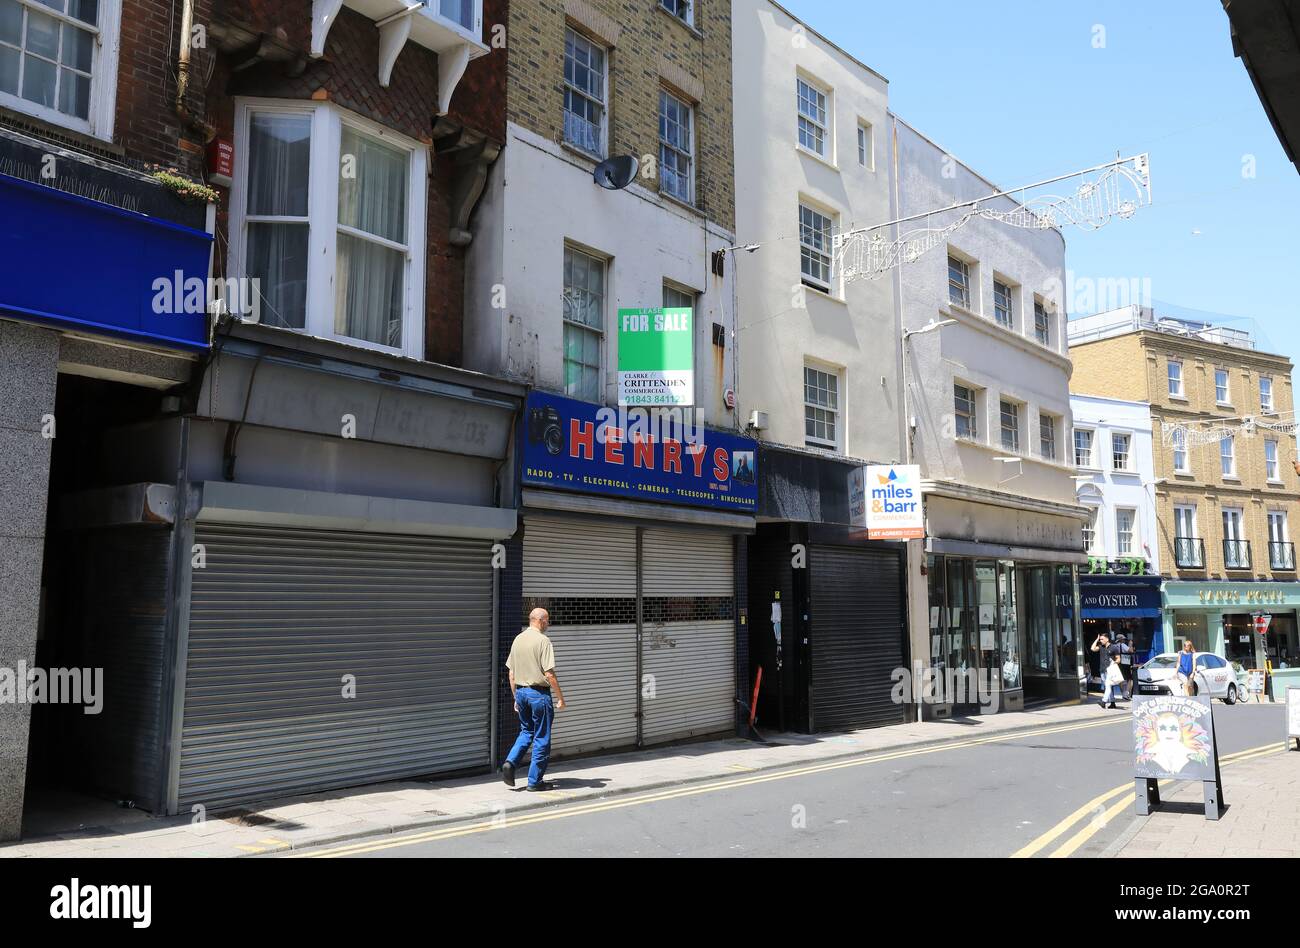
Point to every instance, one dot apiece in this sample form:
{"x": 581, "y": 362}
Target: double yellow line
{"x": 674, "y": 793}
{"x": 1100, "y": 817}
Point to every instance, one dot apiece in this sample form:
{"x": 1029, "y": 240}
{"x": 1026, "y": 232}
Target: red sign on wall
{"x": 1262, "y": 623}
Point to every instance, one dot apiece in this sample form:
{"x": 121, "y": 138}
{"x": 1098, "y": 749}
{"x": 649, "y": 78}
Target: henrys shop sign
{"x": 572, "y": 445}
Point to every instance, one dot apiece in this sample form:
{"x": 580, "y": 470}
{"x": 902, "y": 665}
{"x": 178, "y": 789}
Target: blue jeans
{"x": 535, "y": 715}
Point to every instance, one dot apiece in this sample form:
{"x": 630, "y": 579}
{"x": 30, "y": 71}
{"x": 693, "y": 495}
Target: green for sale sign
{"x": 656, "y": 357}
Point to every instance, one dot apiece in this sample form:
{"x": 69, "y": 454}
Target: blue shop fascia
{"x": 632, "y": 531}
{"x": 1124, "y": 599}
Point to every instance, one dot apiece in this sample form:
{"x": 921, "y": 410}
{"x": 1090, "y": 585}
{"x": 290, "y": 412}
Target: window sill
{"x": 816, "y": 157}
{"x": 581, "y": 153}
{"x": 1273, "y": 482}
{"x": 1180, "y": 398}
{"x": 684, "y": 205}
{"x": 1088, "y": 470}
{"x": 826, "y": 294}
{"x": 1223, "y": 404}
{"x": 688, "y": 27}
{"x": 1234, "y": 480}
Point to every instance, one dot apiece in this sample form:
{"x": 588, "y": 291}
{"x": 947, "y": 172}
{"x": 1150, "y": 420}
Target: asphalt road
{"x": 994, "y": 799}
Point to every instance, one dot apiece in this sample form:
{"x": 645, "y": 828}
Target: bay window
{"x": 328, "y": 216}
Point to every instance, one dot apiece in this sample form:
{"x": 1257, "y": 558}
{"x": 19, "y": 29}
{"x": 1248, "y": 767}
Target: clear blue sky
{"x": 1016, "y": 90}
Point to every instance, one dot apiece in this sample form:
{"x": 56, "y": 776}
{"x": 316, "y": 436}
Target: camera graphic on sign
{"x": 546, "y": 427}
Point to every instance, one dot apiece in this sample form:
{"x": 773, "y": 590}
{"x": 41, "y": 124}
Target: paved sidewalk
{"x": 394, "y": 807}
{"x": 1262, "y": 819}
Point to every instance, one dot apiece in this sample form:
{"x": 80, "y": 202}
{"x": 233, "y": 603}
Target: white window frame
{"x": 1185, "y": 518}
{"x": 973, "y": 432}
{"x": 1042, "y": 322}
{"x": 824, "y": 125}
{"x": 687, "y": 15}
{"x": 602, "y": 330}
{"x": 1272, "y": 466}
{"x": 836, "y": 413}
{"x": 689, "y": 154}
{"x": 1091, "y": 533}
{"x": 327, "y": 121}
{"x": 1116, "y": 438}
{"x": 1266, "y": 404}
{"x": 1235, "y": 517}
{"x": 810, "y": 248}
{"x": 964, "y": 267}
{"x": 1275, "y": 534}
{"x": 1052, "y": 427}
{"x": 103, "y": 73}
{"x": 1134, "y": 540}
{"x": 1228, "y": 458}
{"x": 866, "y": 146}
{"x": 1092, "y": 448}
{"x": 1178, "y": 442}
{"x": 1015, "y": 428}
{"x": 1181, "y": 389}
{"x": 603, "y": 102}
{"x": 1010, "y": 297}
{"x": 1226, "y": 387}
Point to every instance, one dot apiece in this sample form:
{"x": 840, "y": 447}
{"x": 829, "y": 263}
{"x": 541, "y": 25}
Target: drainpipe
{"x": 193, "y": 122}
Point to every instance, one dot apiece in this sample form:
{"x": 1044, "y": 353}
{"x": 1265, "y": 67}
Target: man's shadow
{"x": 573, "y": 783}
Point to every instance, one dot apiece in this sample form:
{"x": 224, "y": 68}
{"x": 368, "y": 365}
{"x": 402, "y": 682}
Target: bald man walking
{"x": 532, "y": 681}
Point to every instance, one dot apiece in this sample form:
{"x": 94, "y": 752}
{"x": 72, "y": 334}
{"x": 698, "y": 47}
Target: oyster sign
{"x": 894, "y": 508}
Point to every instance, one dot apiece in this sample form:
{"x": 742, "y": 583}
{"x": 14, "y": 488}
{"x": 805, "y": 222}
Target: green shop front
{"x": 1219, "y": 617}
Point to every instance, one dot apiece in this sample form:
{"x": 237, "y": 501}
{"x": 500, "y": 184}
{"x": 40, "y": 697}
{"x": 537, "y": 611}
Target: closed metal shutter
{"x": 280, "y": 616}
{"x": 857, "y": 636}
{"x": 586, "y": 573}
{"x": 689, "y": 637}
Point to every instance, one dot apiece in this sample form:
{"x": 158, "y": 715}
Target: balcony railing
{"x": 1281, "y": 556}
{"x": 1236, "y": 554}
{"x": 1189, "y": 553}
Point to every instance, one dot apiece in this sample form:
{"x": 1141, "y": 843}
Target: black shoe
{"x": 1112, "y": 707}
{"x": 539, "y": 787}
{"x": 508, "y": 773}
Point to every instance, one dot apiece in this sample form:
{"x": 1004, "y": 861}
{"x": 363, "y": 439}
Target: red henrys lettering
{"x": 721, "y": 469}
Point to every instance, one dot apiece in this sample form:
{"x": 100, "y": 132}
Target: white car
{"x": 1213, "y": 676}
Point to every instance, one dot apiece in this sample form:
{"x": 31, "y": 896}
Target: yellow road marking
{"x": 600, "y": 806}
{"x": 252, "y": 849}
{"x": 1096, "y": 824}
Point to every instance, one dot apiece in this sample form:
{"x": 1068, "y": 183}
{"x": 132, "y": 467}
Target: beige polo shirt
{"x": 531, "y": 655}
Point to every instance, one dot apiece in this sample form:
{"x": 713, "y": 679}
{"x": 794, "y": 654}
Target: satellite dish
{"x": 614, "y": 174}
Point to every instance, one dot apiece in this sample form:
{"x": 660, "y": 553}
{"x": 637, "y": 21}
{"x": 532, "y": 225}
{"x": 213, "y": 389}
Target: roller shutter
{"x": 279, "y": 617}
{"x": 689, "y": 638}
{"x": 857, "y": 636}
{"x": 586, "y": 571}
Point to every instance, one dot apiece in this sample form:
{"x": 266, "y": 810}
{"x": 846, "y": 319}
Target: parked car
{"x": 1213, "y": 676}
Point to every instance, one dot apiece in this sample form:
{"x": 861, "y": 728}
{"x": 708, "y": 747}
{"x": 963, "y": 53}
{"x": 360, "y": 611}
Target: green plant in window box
{"x": 1137, "y": 565}
{"x": 185, "y": 189}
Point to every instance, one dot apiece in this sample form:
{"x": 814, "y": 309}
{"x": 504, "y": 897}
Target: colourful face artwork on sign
{"x": 1173, "y": 736}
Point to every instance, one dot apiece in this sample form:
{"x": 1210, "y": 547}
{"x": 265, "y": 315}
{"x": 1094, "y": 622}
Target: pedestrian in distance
{"x": 531, "y": 667}
{"x": 1126, "y": 664}
{"x": 1111, "y": 676}
{"x": 1186, "y": 667}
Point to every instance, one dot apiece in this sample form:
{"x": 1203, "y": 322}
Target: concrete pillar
{"x": 1218, "y": 641}
{"x": 28, "y": 372}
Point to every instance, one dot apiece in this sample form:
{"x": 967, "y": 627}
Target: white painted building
{"x": 1116, "y": 469}
{"x": 545, "y": 231}
{"x": 818, "y": 356}
{"x": 988, "y": 415}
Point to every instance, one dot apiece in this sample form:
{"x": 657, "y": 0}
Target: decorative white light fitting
{"x": 1115, "y": 189}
